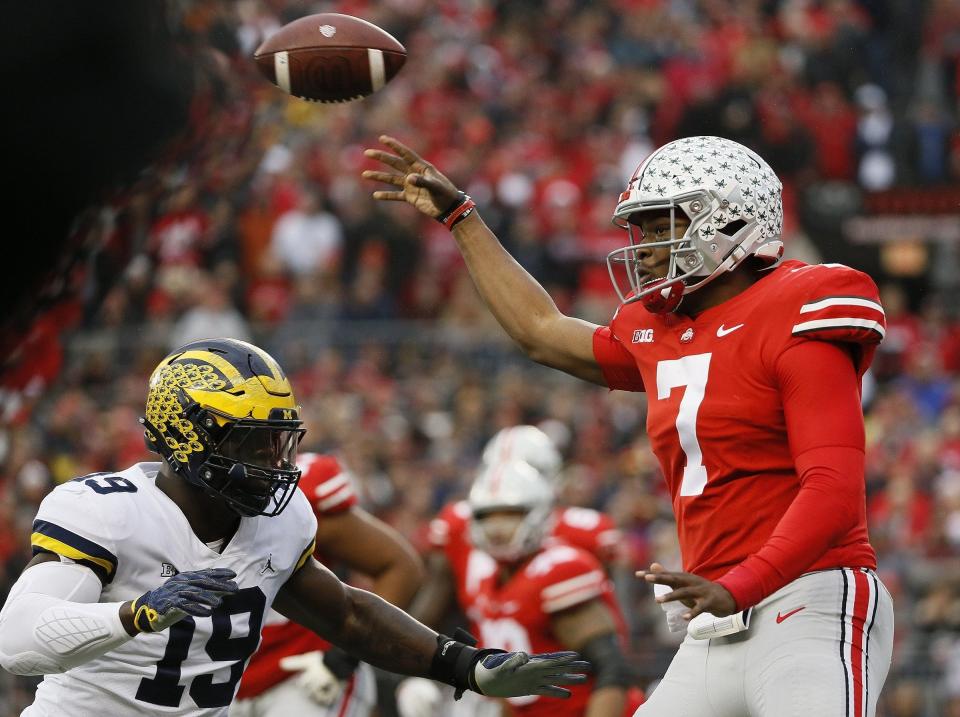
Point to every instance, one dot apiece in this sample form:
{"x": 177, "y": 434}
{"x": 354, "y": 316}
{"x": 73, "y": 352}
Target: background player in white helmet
{"x": 524, "y": 443}
{"x": 295, "y": 671}
{"x": 752, "y": 369}
{"x": 527, "y": 588}
{"x": 450, "y": 532}
{"x": 589, "y": 529}
{"x": 148, "y": 587}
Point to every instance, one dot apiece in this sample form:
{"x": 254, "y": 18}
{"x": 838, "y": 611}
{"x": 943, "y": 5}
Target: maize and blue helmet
{"x": 222, "y": 414}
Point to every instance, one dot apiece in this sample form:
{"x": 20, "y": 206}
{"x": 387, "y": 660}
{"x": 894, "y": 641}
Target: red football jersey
{"x": 589, "y": 529}
{"x": 715, "y": 418}
{"x": 330, "y": 492}
{"x": 584, "y": 528}
{"x": 516, "y": 615}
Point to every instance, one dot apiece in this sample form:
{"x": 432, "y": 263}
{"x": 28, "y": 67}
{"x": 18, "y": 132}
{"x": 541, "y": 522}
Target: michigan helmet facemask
{"x": 222, "y": 414}
{"x": 510, "y": 487}
{"x": 732, "y": 199}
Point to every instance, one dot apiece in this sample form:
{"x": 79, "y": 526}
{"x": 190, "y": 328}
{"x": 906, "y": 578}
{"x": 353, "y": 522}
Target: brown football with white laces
{"x": 330, "y": 57}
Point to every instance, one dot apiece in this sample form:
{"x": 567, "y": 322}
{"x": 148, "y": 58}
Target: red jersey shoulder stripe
{"x": 573, "y": 591}
{"x": 839, "y": 324}
{"x": 337, "y": 499}
{"x": 328, "y": 485}
{"x": 842, "y": 313}
{"x": 828, "y": 301}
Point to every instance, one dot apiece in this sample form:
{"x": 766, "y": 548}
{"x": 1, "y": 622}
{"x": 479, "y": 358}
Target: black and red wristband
{"x": 462, "y": 207}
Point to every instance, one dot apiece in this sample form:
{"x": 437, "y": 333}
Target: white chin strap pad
{"x": 52, "y": 621}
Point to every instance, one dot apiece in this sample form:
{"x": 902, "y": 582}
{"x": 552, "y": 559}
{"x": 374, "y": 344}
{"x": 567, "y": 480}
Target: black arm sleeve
{"x": 609, "y": 665}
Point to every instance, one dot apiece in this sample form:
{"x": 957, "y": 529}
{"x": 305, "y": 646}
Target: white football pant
{"x": 818, "y": 646}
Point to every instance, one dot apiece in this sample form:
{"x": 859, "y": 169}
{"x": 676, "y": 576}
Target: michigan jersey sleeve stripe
{"x": 306, "y": 554}
{"x": 828, "y": 301}
{"x": 48, "y": 537}
{"x": 840, "y": 324}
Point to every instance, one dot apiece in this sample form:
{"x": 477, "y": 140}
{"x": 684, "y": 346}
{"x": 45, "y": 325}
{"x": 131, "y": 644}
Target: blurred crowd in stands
{"x": 254, "y": 224}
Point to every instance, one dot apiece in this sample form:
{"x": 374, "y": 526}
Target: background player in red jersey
{"x": 294, "y": 671}
{"x": 455, "y": 565}
{"x": 752, "y": 369}
{"x": 449, "y": 534}
{"x": 524, "y": 587}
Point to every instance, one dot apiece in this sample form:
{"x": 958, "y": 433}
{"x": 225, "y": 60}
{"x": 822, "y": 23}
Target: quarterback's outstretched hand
{"x": 514, "y": 674}
{"x": 195, "y": 593}
{"x": 418, "y": 182}
{"x": 698, "y": 594}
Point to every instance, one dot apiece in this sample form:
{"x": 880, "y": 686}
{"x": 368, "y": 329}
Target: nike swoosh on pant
{"x": 781, "y": 618}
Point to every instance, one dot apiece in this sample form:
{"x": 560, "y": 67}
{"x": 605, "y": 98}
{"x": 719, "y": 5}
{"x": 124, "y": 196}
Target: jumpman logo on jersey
{"x": 268, "y": 565}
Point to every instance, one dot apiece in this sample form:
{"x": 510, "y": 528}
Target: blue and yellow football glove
{"x": 196, "y": 593}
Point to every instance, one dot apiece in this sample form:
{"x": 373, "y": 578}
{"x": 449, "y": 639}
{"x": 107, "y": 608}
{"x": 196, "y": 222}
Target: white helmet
{"x": 524, "y": 443}
{"x": 518, "y": 486}
{"x": 732, "y": 199}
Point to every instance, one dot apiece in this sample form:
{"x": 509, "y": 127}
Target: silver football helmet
{"x": 512, "y": 486}
{"x": 733, "y": 201}
{"x": 524, "y": 443}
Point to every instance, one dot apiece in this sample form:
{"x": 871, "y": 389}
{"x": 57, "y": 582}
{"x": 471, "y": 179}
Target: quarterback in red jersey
{"x": 752, "y": 368}
{"x": 294, "y": 671}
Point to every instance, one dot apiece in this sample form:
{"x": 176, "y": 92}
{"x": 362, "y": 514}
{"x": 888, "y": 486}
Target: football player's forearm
{"x": 385, "y": 636}
{"x": 606, "y": 701}
{"x": 523, "y": 308}
{"x": 398, "y": 584}
{"x": 797, "y": 542}
{"x": 515, "y": 298}
{"x": 828, "y": 448}
{"x": 52, "y": 621}
{"x": 398, "y": 571}
{"x": 435, "y": 595}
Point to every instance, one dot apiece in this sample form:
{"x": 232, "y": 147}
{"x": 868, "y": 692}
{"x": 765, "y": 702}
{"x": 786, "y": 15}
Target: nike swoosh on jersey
{"x": 721, "y": 331}
{"x": 781, "y": 618}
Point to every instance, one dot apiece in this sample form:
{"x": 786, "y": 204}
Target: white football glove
{"x": 513, "y": 674}
{"x": 674, "y": 609}
{"x": 418, "y": 697}
{"x": 315, "y": 677}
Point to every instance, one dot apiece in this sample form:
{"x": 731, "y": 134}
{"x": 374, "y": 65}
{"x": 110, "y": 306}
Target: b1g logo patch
{"x": 643, "y": 336}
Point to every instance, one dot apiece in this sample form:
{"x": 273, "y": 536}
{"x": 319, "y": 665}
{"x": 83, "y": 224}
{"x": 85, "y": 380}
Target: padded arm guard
{"x": 52, "y": 621}
{"x": 609, "y": 664}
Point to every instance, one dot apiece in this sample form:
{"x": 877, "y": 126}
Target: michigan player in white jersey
{"x": 148, "y": 587}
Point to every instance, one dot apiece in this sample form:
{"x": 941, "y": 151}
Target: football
{"x": 329, "y": 57}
